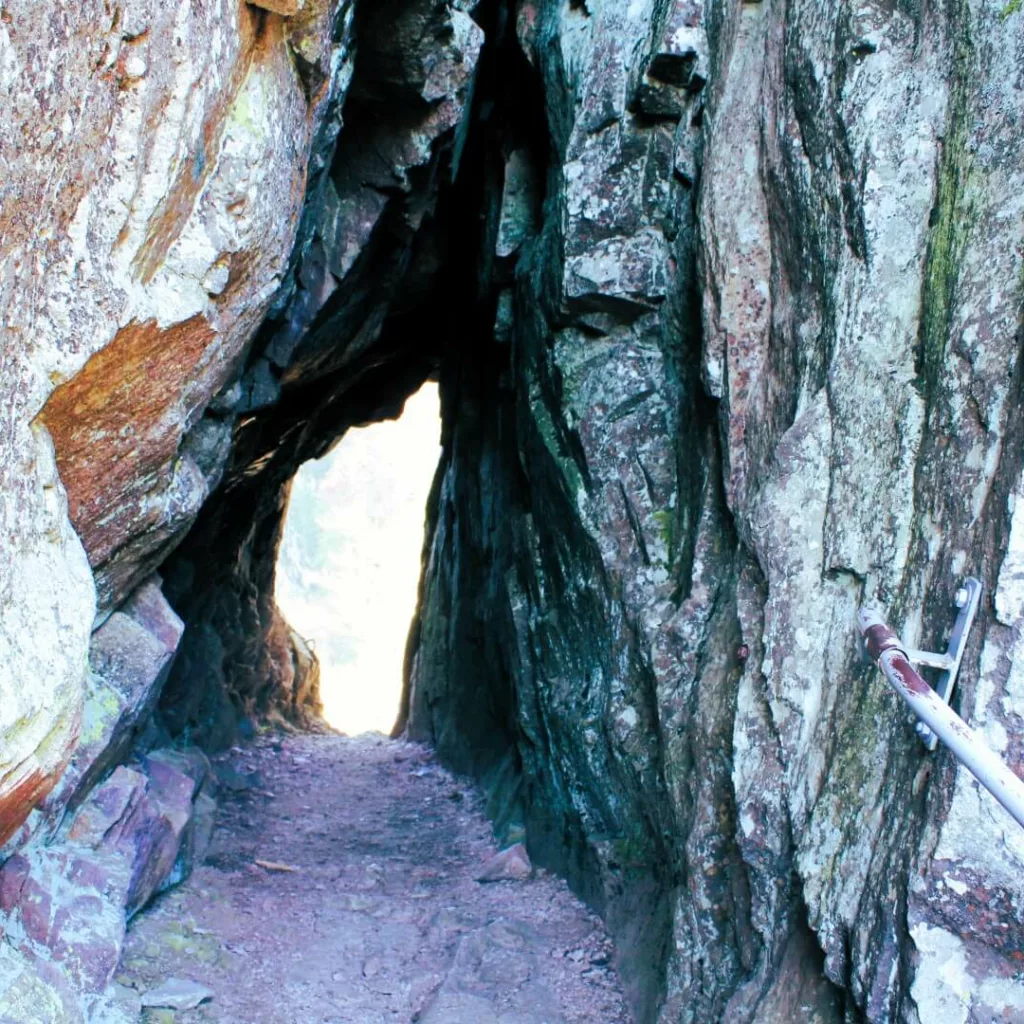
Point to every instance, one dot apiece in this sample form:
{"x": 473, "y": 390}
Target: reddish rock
{"x": 149, "y": 608}
{"x": 20, "y": 799}
{"x": 150, "y": 831}
{"x": 65, "y": 913}
{"x": 12, "y": 881}
{"x": 33, "y": 989}
{"x": 169, "y": 767}
{"x": 131, "y": 837}
{"x": 129, "y": 659}
{"x": 107, "y": 806}
{"x": 116, "y": 427}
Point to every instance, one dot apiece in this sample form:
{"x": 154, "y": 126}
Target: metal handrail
{"x": 981, "y": 761}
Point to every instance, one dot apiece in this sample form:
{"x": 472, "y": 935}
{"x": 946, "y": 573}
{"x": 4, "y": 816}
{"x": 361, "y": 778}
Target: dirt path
{"x": 382, "y": 920}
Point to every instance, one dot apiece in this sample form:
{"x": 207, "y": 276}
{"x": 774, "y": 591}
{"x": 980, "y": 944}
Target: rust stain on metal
{"x": 900, "y": 666}
{"x": 879, "y": 639}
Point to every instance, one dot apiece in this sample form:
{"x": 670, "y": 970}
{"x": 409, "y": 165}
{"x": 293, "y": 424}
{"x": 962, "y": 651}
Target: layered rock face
{"x": 724, "y": 299}
{"x": 757, "y": 363}
{"x": 156, "y": 159}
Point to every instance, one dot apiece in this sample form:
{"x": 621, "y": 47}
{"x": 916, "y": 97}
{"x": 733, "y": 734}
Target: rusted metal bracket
{"x": 968, "y": 597}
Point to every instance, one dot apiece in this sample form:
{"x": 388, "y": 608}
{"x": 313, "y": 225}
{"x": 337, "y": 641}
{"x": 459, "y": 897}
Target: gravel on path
{"x": 368, "y": 910}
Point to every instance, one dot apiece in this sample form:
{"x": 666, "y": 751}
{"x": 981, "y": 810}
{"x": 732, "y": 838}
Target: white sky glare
{"x": 349, "y": 563}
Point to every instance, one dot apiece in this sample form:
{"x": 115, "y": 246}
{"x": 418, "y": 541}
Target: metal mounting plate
{"x": 968, "y": 598}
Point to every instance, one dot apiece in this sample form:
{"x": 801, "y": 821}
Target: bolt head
{"x": 962, "y": 597}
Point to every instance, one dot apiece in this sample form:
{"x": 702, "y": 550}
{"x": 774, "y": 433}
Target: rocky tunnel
{"x": 392, "y": 284}
{"x": 426, "y": 250}
{"x": 724, "y": 308}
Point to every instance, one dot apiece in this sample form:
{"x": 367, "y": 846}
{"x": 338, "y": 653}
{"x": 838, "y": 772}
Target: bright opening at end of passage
{"x": 349, "y": 564}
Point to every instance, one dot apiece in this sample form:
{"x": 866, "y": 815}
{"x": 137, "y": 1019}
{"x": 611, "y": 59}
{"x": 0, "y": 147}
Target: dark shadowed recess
{"x": 500, "y": 509}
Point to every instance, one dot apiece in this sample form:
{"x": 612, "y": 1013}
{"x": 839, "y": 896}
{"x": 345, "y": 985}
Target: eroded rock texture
{"x": 347, "y": 339}
{"x": 724, "y": 299}
{"x": 757, "y": 363}
{"x": 155, "y": 163}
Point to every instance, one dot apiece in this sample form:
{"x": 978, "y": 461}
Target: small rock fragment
{"x": 273, "y": 865}
{"x": 134, "y": 67}
{"x": 238, "y": 782}
{"x": 512, "y": 864}
{"x": 177, "y": 994}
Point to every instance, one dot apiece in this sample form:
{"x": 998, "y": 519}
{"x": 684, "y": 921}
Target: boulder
{"x": 177, "y": 994}
{"x": 134, "y": 835}
{"x": 511, "y": 864}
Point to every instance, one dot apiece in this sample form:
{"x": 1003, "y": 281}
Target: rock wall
{"x": 342, "y": 345}
{"x": 155, "y": 164}
{"x": 214, "y": 290}
{"x": 156, "y": 159}
{"x": 757, "y": 363}
{"x": 725, "y": 303}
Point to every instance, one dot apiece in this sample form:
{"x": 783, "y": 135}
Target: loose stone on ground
{"x": 176, "y": 994}
{"x": 383, "y": 918}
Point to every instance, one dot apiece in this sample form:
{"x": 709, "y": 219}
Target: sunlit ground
{"x": 350, "y": 560}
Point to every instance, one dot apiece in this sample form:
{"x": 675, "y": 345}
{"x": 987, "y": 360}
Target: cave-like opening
{"x": 349, "y": 562}
{"x": 427, "y": 248}
{"x": 425, "y": 253}
{"x": 428, "y": 297}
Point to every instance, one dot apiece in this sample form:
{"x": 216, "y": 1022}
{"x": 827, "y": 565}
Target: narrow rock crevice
{"x": 724, "y": 305}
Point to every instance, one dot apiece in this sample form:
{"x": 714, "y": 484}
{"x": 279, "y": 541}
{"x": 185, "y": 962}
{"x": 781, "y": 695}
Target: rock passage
{"x": 341, "y": 888}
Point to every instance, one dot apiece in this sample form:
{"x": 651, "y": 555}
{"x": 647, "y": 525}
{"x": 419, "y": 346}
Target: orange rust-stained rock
{"x": 26, "y": 781}
{"x": 16, "y": 804}
{"x": 117, "y": 425}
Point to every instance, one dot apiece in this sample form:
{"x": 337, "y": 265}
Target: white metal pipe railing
{"x": 984, "y": 764}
